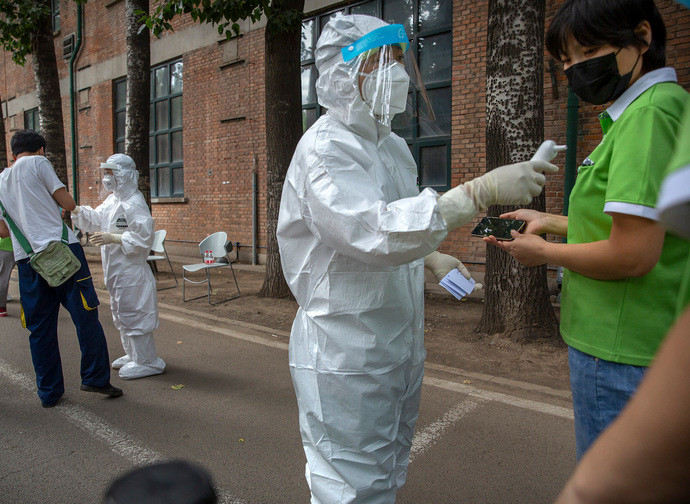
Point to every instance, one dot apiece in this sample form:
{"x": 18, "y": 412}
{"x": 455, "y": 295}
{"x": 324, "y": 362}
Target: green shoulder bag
{"x": 56, "y": 263}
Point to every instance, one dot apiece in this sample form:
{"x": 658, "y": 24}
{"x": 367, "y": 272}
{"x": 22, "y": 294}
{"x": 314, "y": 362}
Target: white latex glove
{"x": 441, "y": 264}
{"x": 105, "y": 238}
{"x": 514, "y": 184}
{"x": 76, "y": 210}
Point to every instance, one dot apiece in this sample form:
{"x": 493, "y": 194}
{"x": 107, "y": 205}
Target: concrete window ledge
{"x": 179, "y": 199}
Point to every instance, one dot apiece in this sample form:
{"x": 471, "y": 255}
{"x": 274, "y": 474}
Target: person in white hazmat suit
{"x": 354, "y": 233}
{"x": 123, "y": 227}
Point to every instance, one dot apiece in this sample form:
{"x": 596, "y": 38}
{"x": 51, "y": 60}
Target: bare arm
{"x": 632, "y": 249}
{"x": 64, "y": 199}
{"x": 644, "y": 456}
{"x": 4, "y": 232}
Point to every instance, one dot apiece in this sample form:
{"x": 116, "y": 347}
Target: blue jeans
{"x": 41, "y": 304}
{"x": 601, "y": 389}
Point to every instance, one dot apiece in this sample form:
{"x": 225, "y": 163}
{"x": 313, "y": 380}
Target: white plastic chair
{"x": 216, "y": 244}
{"x": 158, "y": 247}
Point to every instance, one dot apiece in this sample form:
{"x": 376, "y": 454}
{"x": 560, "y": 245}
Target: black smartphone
{"x": 499, "y": 228}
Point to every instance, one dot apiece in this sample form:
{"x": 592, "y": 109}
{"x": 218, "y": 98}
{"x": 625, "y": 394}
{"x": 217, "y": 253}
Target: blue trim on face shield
{"x": 386, "y": 35}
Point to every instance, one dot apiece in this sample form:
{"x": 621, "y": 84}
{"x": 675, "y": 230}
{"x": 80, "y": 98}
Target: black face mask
{"x": 598, "y": 80}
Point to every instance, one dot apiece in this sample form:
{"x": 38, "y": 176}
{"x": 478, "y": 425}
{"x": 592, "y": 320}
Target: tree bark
{"x": 283, "y": 131}
{"x": 138, "y": 94}
{"x": 517, "y": 299}
{"x": 49, "y": 100}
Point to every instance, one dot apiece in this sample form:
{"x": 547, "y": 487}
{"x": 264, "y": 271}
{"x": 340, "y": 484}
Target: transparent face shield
{"x": 385, "y": 71}
{"x": 108, "y": 183}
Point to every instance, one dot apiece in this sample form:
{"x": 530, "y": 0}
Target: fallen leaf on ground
{"x": 177, "y": 387}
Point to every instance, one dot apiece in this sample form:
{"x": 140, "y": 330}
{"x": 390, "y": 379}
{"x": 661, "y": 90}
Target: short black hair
{"x": 598, "y": 22}
{"x": 26, "y": 141}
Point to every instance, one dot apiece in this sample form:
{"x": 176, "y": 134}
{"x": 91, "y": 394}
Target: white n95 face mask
{"x": 109, "y": 183}
{"x": 385, "y": 90}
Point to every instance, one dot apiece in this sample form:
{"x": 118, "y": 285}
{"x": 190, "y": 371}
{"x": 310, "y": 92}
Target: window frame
{"x": 170, "y": 165}
{"x": 55, "y": 15}
{"x": 417, "y": 141}
{"x": 116, "y": 139}
{"x": 157, "y": 166}
{"x": 32, "y": 116}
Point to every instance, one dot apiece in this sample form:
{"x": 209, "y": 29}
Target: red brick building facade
{"x": 217, "y": 137}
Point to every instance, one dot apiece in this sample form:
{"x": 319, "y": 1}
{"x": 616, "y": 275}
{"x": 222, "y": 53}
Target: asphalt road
{"x": 480, "y": 439}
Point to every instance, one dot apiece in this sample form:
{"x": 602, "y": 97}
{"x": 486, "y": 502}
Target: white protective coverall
{"x": 130, "y": 282}
{"x": 353, "y": 231}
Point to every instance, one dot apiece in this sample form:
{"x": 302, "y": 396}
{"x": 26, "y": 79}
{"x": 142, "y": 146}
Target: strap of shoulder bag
{"x": 17, "y": 233}
{"x": 20, "y": 236}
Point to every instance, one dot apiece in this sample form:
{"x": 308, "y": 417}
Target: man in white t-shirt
{"x": 32, "y": 195}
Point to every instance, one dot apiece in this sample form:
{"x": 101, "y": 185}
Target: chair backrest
{"x": 158, "y": 239}
{"x": 215, "y": 243}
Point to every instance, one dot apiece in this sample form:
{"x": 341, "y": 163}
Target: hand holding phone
{"x": 497, "y": 227}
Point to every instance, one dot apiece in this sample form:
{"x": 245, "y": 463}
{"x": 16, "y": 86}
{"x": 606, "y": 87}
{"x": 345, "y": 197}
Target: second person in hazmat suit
{"x": 123, "y": 227}
{"x": 355, "y": 233}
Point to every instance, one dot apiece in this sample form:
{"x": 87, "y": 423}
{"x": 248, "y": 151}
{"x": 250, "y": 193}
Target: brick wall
{"x": 224, "y": 116}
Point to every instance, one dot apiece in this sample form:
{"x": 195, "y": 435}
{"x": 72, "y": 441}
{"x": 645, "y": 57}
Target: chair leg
{"x": 208, "y": 282}
{"x": 154, "y": 270}
{"x": 209, "y": 286}
{"x": 184, "y": 284}
{"x": 172, "y": 271}
{"x": 171, "y": 268}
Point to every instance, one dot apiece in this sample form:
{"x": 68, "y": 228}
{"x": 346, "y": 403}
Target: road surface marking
{"x": 427, "y": 438}
{"x": 118, "y": 441}
{"x": 537, "y": 406}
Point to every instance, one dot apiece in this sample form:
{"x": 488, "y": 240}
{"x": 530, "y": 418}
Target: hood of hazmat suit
{"x": 353, "y": 230}
{"x": 128, "y": 277}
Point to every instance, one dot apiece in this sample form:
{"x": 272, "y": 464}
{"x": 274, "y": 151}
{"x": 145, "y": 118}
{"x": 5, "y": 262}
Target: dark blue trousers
{"x": 41, "y": 304}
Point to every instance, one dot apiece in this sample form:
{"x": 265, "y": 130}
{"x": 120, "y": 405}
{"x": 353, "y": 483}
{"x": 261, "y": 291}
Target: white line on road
{"x": 539, "y": 407}
{"x": 426, "y": 438}
{"x": 118, "y": 441}
{"x": 224, "y": 331}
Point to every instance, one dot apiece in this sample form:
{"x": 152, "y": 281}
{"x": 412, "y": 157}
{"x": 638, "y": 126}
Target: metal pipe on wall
{"x": 72, "y": 102}
{"x": 255, "y": 216}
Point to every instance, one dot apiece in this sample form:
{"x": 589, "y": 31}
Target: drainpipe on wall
{"x": 571, "y": 153}
{"x": 72, "y": 103}
{"x": 255, "y": 217}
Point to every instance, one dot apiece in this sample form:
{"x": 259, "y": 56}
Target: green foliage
{"x": 224, "y": 14}
{"x": 19, "y": 22}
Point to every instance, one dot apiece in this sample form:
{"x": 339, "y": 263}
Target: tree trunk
{"x": 517, "y": 299}
{"x": 138, "y": 94}
{"x": 49, "y": 100}
{"x": 283, "y": 131}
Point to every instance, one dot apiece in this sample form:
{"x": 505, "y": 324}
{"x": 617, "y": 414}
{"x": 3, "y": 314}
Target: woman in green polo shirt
{"x": 622, "y": 270}
{"x": 6, "y": 265}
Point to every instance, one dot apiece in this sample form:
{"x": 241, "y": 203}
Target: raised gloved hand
{"x": 105, "y": 238}
{"x": 441, "y": 264}
{"x": 514, "y": 184}
{"x": 76, "y": 209}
